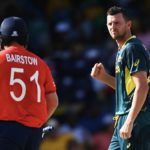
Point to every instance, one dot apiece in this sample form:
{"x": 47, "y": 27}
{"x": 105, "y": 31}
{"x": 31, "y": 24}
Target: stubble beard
{"x": 119, "y": 37}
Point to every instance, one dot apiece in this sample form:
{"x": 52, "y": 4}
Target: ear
{"x": 129, "y": 24}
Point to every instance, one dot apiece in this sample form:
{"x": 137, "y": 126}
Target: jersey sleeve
{"x": 50, "y": 85}
{"x": 136, "y": 60}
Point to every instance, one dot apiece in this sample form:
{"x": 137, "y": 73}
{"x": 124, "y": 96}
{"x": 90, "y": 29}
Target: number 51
{"x": 23, "y": 85}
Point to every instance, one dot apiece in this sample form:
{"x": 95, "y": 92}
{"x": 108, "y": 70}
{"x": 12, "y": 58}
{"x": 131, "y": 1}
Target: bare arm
{"x": 98, "y": 72}
{"x": 140, "y": 94}
{"x": 52, "y": 103}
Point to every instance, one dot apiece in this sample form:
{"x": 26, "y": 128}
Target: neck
{"x": 121, "y": 41}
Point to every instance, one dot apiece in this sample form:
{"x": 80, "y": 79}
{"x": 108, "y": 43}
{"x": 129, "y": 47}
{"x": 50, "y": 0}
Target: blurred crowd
{"x": 71, "y": 36}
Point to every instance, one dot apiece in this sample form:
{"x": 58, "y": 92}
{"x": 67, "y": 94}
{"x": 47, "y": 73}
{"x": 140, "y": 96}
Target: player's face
{"x": 118, "y": 26}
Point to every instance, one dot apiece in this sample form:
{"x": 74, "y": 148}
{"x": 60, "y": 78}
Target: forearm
{"x": 52, "y": 103}
{"x": 98, "y": 72}
{"x": 109, "y": 80}
{"x": 139, "y": 98}
{"x": 51, "y": 110}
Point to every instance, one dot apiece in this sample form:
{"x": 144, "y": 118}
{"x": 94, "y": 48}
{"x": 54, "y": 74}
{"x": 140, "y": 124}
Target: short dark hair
{"x": 7, "y": 41}
{"x": 115, "y": 10}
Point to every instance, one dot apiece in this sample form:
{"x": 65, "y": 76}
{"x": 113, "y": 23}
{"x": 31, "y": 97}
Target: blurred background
{"x": 71, "y": 36}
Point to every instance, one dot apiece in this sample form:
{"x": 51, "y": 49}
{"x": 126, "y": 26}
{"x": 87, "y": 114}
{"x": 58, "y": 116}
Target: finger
{"x": 94, "y": 70}
{"x": 128, "y": 135}
{"x": 99, "y": 64}
{"x": 121, "y": 135}
{"x": 125, "y": 135}
{"x": 95, "y": 66}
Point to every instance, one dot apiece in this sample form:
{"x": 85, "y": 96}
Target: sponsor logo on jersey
{"x": 128, "y": 145}
{"x": 117, "y": 69}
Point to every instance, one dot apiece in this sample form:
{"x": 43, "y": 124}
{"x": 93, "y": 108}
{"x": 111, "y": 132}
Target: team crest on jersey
{"x": 15, "y": 33}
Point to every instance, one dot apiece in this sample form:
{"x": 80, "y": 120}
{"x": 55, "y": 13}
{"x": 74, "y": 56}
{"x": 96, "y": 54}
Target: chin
{"x": 113, "y": 36}
{"x": 116, "y": 37}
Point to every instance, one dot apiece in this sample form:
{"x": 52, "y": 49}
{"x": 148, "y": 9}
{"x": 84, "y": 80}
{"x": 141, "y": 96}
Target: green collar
{"x": 131, "y": 37}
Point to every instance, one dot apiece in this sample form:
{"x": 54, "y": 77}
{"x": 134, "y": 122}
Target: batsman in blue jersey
{"x": 131, "y": 82}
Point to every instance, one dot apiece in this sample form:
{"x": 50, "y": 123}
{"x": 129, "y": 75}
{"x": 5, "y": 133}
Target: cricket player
{"x": 27, "y": 90}
{"x": 131, "y": 82}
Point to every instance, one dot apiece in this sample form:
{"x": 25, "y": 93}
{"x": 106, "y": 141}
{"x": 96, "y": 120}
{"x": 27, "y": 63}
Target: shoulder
{"x": 43, "y": 66}
{"x": 38, "y": 58}
{"x": 3, "y": 55}
{"x": 134, "y": 46}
